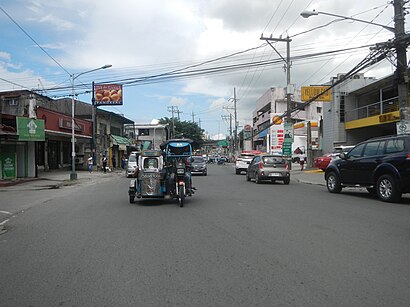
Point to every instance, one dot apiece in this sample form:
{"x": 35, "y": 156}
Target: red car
{"x": 323, "y": 161}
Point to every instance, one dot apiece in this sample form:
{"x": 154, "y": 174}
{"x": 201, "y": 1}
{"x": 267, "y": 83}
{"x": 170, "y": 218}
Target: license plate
{"x": 275, "y": 175}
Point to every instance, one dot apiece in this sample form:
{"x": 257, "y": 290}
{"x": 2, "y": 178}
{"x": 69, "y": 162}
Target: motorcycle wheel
{"x": 181, "y": 197}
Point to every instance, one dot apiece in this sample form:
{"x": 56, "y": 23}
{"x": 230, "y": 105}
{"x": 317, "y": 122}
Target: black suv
{"x": 382, "y": 165}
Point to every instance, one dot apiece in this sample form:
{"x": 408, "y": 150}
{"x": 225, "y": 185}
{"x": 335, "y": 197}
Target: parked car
{"x": 243, "y": 160}
{"x": 323, "y": 161}
{"x": 199, "y": 166}
{"x": 382, "y": 165}
{"x": 271, "y": 167}
{"x": 132, "y": 164}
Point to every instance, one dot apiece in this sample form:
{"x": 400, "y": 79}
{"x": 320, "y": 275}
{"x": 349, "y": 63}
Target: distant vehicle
{"x": 243, "y": 160}
{"x": 132, "y": 164}
{"x": 381, "y": 165}
{"x": 323, "y": 161}
{"x": 198, "y": 165}
{"x": 270, "y": 167}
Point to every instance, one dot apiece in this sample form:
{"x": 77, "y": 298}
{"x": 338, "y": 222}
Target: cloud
{"x": 176, "y": 101}
{"x": 5, "y": 55}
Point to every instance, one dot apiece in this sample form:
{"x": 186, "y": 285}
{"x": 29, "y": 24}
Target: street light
{"x": 400, "y": 42}
{"x": 307, "y": 14}
{"x": 73, "y": 175}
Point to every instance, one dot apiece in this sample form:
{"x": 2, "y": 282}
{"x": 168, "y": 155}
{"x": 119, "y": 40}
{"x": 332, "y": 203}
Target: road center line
{"x": 6, "y": 212}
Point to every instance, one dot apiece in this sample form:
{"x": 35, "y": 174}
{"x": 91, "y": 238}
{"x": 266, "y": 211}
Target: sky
{"x": 191, "y": 54}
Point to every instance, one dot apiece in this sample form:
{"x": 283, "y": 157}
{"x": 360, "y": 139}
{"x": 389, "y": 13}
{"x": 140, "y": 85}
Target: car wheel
{"x": 237, "y": 172}
{"x": 286, "y": 181}
{"x": 257, "y": 178}
{"x": 247, "y": 177}
{"x": 387, "y": 189}
{"x": 205, "y": 174}
{"x": 333, "y": 183}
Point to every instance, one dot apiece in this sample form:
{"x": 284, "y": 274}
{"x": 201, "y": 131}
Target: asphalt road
{"x": 235, "y": 243}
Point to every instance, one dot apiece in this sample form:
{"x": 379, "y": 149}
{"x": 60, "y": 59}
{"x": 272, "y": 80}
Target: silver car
{"x": 132, "y": 164}
{"x": 268, "y": 167}
{"x": 198, "y": 166}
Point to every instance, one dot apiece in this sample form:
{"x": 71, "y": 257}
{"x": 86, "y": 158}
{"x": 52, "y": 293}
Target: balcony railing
{"x": 378, "y": 108}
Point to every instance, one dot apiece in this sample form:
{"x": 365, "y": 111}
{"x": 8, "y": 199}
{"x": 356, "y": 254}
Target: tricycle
{"x": 164, "y": 173}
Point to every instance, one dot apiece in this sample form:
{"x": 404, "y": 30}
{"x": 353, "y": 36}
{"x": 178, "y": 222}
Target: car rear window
{"x": 244, "y": 156}
{"x": 395, "y": 145}
{"x": 273, "y": 160}
{"x": 132, "y": 158}
{"x": 198, "y": 159}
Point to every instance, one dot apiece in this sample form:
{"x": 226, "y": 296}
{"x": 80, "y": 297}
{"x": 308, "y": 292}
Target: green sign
{"x": 30, "y": 129}
{"x": 288, "y": 127}
{"x": 287, "y": 148}
{"x": 8, "y": 165}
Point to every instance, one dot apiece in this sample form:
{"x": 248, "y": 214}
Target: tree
{"x": 184, "y": 129}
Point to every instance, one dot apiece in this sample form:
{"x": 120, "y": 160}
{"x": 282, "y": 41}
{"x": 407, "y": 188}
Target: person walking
{"x": 104, "y": 163}
{"x": 302, "y": 161}
{"x": 90, "y": 163}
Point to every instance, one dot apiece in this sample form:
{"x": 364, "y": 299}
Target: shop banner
{"x": 108, "y": 94}
{"x": 8, "y": 165}
{"x": 30, "y": 129}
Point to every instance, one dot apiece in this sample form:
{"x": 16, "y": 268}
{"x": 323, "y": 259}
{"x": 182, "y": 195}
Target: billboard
{"x": 308, "y": 92}
{"x": 30, "y": 129}
{"x": 108, "y": 94}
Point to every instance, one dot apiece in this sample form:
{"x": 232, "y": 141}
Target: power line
{"x": 29, "y": 36}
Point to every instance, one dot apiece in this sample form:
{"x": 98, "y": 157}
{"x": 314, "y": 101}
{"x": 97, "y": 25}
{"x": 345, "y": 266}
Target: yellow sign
{"x": 308, "y": 92}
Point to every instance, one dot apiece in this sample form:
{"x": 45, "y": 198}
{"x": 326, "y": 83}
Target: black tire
{"x": 238, "y": 172}
{"x": 286, "y": 181}
{"x": 205, "y": 174}
{"x": 132, "y": 199}
{"x": 387, "y": 189}
{"x": 247, "y": 177}
{"x": 181, "y": 197}
{"x": 257, "y": 178}
{"x": 333, "y": 183}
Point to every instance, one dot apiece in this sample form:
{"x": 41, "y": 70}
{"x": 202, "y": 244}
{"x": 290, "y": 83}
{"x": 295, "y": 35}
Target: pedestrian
{"x": 114, "y": 162}
{"x": 104, "y": 163}
{"x": 123, "y": 162}
{"x": 90, "y": 163}
{"x": 302, "y": 161}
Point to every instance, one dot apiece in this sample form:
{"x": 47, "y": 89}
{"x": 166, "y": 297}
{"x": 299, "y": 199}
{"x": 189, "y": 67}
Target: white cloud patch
{"x": 5, "y": 56}
{"x": 177, "y": 101}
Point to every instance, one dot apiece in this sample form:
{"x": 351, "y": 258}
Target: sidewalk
{"x": 54, "y": 179}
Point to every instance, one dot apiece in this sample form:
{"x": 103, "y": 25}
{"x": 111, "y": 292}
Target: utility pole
{"x": 401, "y": 68}
{"x": 173, "y": 109}
{"x": 230, "y": 131}
{"x": 289, "y": 88}
{"x": 236, "y": 147}
{"x": 193, "y": 117}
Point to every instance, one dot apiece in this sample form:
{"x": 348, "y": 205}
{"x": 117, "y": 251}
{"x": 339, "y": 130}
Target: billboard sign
{"x": 308, "y": 92}
{"x": 108, "y": 94}
{"x": 30, "y": 129}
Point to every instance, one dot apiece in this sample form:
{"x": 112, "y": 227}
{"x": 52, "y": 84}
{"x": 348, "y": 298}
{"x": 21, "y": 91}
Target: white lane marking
{"x": 6, "y": 212}
{"x": 4, "y": 222}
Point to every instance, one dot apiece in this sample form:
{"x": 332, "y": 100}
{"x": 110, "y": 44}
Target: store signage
{"x": 30, "y": 129}
{"x": 8, "y": 165}
{"x": 65, "y": 123}
{"x": 108, "y": 94}
{"x": 309, "y": 92}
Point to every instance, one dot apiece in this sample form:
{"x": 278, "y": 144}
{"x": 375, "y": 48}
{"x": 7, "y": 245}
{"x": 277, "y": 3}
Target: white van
{"x": 132, "y": 164}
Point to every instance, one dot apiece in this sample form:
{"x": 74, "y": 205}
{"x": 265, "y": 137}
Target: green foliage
{"x": 184, "y": 129}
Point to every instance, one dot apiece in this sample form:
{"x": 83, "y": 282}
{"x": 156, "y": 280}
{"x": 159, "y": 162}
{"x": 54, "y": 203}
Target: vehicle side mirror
{"x": 343, "y": 156}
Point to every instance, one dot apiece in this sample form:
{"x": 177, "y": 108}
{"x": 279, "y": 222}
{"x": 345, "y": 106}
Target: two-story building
{"x": 274, "y": 102}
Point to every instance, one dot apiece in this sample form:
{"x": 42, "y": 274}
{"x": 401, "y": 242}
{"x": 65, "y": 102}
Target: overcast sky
{"x": 143, "y": 38}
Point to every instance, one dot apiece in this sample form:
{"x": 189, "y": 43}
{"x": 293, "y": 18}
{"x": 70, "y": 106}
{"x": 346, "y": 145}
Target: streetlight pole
{"x": 401, "y": 41}
{"x": 73, "y": 174}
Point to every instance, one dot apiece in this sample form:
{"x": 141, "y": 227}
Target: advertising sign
{"x": 108, "y": 94}
{"x": 30, "y": 129}
{"x": 403, "y": 127}
{"x": 8, "y": 165}
{"x": 308, "y": 92}
{"x": 277, "y": 138}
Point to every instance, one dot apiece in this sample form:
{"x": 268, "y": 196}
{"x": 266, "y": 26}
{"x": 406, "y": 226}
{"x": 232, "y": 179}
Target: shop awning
{"x": 263, "y": 133}
{"x": 121, "y": 141}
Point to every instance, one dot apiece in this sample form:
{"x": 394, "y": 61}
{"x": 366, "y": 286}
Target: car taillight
{"x": 408, "y": 156}
{"x": 260, "y": 164}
